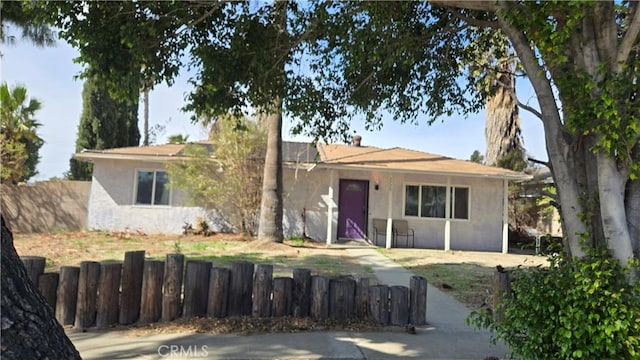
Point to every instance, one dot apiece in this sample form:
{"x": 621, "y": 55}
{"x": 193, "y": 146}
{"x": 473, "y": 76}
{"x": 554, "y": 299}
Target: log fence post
{"x": 418, "y": 300}
{"x": 262, "y": 288}
{"x": 151, "y": 298}
{"x": 240, "y": 287}
{"x": 282, "y": 297}
{"x": 108, "y": 294}
{"x": 172, "y": 287}
{"x": 132, "y": 270}
{"x": 196, "y": 288}
{"x": 301, "y": 297}
{"x": 86, "y": 307}
{"x": 218, "y": 292}
{"x": 48, "y": 286}
{"x": 67, "y": 295}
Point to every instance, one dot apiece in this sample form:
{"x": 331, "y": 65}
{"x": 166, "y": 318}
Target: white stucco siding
{"x": 111, "y": 205}
{"x": 305, "y": 213}
{"x": 111, "y": 202}
{"x": 482, "y": 231}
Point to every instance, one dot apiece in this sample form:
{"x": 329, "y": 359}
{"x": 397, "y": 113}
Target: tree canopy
{"x": 581, "y": 58}
{"x": 327, "y": 61}
{"x": 20, "y": 142}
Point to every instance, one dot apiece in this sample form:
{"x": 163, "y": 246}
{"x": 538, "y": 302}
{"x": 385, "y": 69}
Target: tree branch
{"x": 537, "y": 73}
{"x": 549, "y": 194}
{"x": 475, "y": 22}
{"x": 631, "y": 34}
{"x": 530, "y": 109}
{"x": 540, "y": 162}
{"x": 470, "y": 5}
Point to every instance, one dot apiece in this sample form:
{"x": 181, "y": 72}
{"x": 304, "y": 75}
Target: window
{"x": 152, "y": 188}
{"x": 430, "y": 201}
{"x": 459, "y": 203}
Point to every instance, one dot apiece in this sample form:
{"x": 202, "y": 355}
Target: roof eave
{"x": 514, "y": 177}
{"x": 92, "y": 156}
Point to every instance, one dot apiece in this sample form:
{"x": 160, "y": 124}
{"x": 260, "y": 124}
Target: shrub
{"x": 585, "y": 308}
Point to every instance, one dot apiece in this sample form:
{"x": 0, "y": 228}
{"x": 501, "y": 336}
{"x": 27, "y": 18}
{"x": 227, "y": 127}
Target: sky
{"x": 48, "y": 74}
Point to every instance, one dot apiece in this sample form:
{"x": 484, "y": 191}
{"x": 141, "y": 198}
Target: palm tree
{"x": 178, "y": 139}
{"x": 20, "y": 142}
{"x": 502, "y": 128}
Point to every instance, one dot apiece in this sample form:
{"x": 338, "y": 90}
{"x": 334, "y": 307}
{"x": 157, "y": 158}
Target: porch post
{"x": 330, "y": 209}
{"x": 447, "y": 215}
{"x": 390, "y": 214}
{"x": 505, "y": 217}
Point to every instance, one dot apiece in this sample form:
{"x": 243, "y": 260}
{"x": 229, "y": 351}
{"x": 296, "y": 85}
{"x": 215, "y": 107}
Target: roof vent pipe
{"x": 356, "y": 140}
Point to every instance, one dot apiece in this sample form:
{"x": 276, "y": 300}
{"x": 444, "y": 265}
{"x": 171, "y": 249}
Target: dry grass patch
{"x": 465, "y": 275}
{"x": 66, "y": 249}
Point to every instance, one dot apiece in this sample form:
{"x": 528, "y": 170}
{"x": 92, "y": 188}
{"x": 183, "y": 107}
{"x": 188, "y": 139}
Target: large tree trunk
{"x": 270, "y": 227}
{"x": 591, "y": 185}
{"x": 29, "y": 327}
{"x": 502, "y": 122}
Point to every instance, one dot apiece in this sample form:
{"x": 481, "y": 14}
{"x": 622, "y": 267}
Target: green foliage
{"x": 599, "y": 100}
{"x": 226, "y": 176}
{"x": 513, "y": 160}
{"x": 19, "y": 141}
{"x": 178, "y": 139}
{"x": 20, "y": 15}
{"x": 578, "y": 309}
{"x": 394, "y": 56}
{"x": 105, "y": 123}
{"x": 476, "y": 157}
{"x": 296, "y": 241}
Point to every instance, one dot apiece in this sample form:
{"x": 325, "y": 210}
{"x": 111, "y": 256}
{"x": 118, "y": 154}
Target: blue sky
{"x": 48, "y": 74}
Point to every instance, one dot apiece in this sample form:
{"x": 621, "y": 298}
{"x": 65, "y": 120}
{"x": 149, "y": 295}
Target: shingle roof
{"x": 291, "y": 152}
{"x": 404, "y": 160}
{"x": 361, "y": 158}
{"x": 165, "y": 152}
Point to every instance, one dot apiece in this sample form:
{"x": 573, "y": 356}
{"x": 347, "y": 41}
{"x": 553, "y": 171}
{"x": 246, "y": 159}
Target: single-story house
{"x": 331, "y": 192}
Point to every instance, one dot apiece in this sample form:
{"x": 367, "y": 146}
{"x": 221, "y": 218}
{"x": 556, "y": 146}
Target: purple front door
{"x": 352, "y": 209}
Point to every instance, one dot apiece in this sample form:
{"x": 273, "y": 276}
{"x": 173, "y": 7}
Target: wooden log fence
{"x": 143, "y": 291}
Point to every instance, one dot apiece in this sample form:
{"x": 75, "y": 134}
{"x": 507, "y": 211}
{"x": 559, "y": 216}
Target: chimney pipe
{"x": 356, "y": 140}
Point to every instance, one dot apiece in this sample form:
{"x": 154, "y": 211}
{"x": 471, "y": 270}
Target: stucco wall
{"x": 46, "y": 206}
{"x": 305, "y": 210}
{"x": 111, "y": 205}
{"x": 482, "y": 231}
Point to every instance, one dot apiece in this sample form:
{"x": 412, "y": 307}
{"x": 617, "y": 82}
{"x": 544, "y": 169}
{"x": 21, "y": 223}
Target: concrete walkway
{"x": 446, "y": 337}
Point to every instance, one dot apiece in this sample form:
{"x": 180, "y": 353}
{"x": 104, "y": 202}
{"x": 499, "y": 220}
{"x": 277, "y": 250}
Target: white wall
{"x": 483, "y": 230}
{"x": 111, "y": 202}
{"x": 305, "y": 212}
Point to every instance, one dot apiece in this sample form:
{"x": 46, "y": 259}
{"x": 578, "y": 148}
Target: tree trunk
{"x": 612, "y": 210}
{"x": 502, "y": 122}
{"x": 145, "y": 101}
{"x": 632, "y": 202}
{"x": 29, "y": 328}
{"x": 270, "y": 227}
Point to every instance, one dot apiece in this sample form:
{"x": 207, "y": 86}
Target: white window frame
{"x": 153, "y": 188}
{"x": 449, "y": 199}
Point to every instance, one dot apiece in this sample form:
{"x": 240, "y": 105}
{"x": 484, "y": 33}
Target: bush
{"x": 584, "y": 308}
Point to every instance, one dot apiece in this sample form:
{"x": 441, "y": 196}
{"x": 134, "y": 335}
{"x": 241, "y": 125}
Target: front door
{"x": 352, "y": 209}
